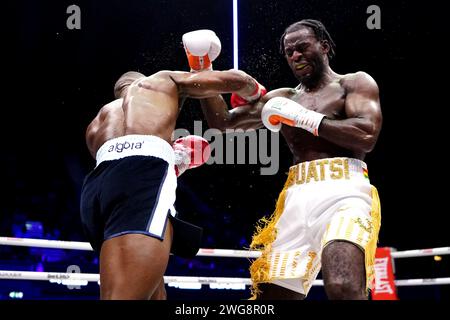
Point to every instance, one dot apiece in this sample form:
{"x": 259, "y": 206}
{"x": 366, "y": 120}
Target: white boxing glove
{"x": 280, "y": 110}
{"x": 202, "y": 48}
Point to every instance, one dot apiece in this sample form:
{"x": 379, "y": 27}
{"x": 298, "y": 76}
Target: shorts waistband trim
{"x": 135, "y": 145}
{"x": 328, "y": 169}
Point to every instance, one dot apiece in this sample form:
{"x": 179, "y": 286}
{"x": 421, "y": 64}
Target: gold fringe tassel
{"x": 263, "y": 238}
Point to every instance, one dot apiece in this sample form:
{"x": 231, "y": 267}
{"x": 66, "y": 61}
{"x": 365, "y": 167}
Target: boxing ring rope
{"x": 75, "y": 245}
{"x": 92, "y": 277}
{"x": 225, "y": 253}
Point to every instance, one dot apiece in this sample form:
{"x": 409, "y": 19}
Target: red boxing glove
{"x": 190, "y": 152}
{"x": 239, "y": 101}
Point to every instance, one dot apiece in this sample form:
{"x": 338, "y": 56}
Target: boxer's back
{"x": 151, "y": 106}
{"x": 108, "y": 124}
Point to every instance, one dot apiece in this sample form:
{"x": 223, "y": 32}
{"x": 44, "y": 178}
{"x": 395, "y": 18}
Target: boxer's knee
{"x": 342, "y": 289}
{"x": 343, "y": 271}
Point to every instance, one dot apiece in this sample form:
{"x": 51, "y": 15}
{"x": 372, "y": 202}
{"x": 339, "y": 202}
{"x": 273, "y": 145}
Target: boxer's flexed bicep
{"x": 359, "y": 130}
{"x": 363, "y": 102}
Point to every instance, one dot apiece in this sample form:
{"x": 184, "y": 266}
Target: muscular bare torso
{"x": 108, "y": 124}
{"x": 150, "y": 107}
{"x": 328, "y": 100}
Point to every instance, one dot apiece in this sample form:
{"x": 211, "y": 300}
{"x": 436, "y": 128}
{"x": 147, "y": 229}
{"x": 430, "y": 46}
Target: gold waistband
{"x": 329, "y": 169}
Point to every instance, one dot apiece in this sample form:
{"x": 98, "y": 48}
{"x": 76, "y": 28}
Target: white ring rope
{"x": 226, "y": 253}
{"x": 421, "y": 252}
{"x": 67, "y": 278}
{"x": 91, "y": 277}
{"x": 42, "y": 243}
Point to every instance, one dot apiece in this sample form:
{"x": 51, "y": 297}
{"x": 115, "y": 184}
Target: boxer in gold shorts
{"x": 328, "y": 215}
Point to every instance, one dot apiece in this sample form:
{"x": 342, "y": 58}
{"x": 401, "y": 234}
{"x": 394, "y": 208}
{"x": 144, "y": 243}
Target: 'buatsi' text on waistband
{"x": 320, "y": 170}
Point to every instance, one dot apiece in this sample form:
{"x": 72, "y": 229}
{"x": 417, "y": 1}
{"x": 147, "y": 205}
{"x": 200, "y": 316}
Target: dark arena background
{"x": 55, "y": 79}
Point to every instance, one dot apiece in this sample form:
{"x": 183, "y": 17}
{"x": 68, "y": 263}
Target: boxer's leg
{"x": 343, "y": 271}
{"x": 132, "y": 266}
{"x": 160, "y": 292}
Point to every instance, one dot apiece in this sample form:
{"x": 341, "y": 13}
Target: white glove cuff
{"x": 293, "y": 113}
{"x": 210, "y": 68}
{"x": 309, "y": 120}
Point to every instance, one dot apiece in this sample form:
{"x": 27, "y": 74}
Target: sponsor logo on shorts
{"x": 121, "y": 146}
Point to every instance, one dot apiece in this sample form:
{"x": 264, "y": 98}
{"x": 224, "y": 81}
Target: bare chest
{"x": 329, "y": 100}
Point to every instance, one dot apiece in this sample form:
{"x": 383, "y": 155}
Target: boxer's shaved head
{"x": 124, "y": 82}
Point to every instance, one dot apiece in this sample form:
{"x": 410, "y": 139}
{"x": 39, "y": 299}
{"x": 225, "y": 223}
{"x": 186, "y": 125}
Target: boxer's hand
{"x": 280, "y": 110}
{"x": 239, "y": 101}
{"x": 190, "y": 152}
{"x": 202, "y": 48}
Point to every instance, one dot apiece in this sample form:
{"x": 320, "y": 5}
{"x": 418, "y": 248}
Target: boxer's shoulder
{"x": 281, "y": 92}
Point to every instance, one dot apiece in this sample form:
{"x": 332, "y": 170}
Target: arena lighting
{"x": 235, "y": 34}
{"x": 16, "y": 295}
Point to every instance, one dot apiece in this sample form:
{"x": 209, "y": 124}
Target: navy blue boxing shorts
{"x": 132, "y": 190}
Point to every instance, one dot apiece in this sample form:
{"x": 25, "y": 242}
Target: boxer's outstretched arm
{"x": 219, "y": 117}
{"x": 359, "y": 132}
{"x": 211, "y": 83}
{"x": 244, "y": 117}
